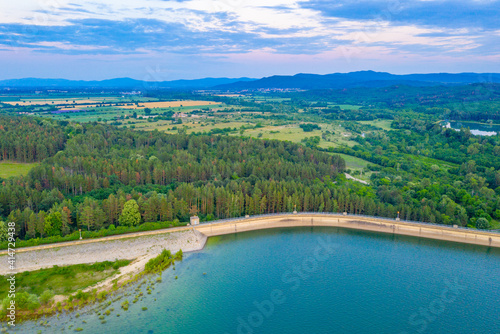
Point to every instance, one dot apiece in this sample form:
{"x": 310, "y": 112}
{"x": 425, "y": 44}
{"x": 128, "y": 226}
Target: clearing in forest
{"x": 9, "y": 168}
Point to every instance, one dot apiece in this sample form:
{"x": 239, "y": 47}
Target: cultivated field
{"x": 170, "y": 104}
{"x": 44, "y": 102}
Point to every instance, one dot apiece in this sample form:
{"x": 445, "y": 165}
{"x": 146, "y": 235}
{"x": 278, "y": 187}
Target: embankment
{"x": 144, "y": 245}
{"x": 355, "y": 222}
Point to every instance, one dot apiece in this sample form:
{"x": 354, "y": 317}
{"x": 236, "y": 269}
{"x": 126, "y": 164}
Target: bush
{"x": 46, "y": 296}
{"x": 120, "y": 263}
{"x": 80, "y": 295}
{"x": 67, "y": 272}
{"x": 24, "y": 301}
{"x": 309, "y": 127}
{"x": 162, "y": 261}
{"x": 482, "y": 223}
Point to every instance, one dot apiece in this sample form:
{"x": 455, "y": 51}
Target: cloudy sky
{"x": 166, "y": 40}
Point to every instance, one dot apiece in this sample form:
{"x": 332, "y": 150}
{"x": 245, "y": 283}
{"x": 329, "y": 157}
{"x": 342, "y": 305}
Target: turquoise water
{"x": 478, "y": 129}
{"x": 314, "y": 280}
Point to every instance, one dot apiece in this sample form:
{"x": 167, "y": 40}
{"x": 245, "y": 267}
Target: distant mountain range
{"x": 119, "y": 83}
{"x": 298, "y": 81}
{"x": 360, "y": 79}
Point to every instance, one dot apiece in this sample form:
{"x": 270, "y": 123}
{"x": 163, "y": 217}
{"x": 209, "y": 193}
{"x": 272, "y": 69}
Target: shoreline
{"x": 99, "y": 250}
{"x": 390, "y": 226}
{"x": 347, "y": 221}
{"x": 141, "y": 247}
{"x": 137, "y": 245}
{"x": 138, "y": 249}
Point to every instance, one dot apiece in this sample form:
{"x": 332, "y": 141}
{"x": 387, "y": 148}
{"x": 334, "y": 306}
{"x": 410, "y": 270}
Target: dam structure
{"x": 374, "y": 224}
{"x": 301, "y": 219}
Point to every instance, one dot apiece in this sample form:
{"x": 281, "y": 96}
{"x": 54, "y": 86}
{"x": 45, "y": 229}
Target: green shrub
{"x": 162, "y": 261}
{"x": 482, "y": 223}
{"x": 46, "y": 296}
{"x": 24, "y": 301}
{"x": 120, "y": 263}
{"x": 80, "y": 295}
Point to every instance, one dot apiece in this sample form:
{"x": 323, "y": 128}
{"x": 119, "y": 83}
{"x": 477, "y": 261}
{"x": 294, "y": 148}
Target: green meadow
{"x": 8, "y": 169}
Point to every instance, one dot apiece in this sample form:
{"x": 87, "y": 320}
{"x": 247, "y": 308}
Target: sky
{"x": 158, "y": 40}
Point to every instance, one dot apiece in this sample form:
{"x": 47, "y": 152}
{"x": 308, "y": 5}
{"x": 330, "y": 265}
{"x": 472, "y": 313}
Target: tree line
{"x": 450, "y": 177}
{"x": 101, "y": 168}
{"x": 29, "y": 140}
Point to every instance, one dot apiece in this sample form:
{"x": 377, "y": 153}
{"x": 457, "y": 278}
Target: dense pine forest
{"x": 101, "y": 177}
{"x": 26, "y": 140}
{"x": 101, "y": 168}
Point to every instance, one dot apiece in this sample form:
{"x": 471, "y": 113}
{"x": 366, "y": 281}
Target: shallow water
{"x": 477, "y": 129}
{"x": 314, "y": 280}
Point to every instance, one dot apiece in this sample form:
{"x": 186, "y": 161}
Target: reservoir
{"x": 478, "y": 129}
{"x": 310, "y": 280}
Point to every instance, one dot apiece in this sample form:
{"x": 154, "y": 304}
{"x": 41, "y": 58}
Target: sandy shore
{"x": 140, "y": 249}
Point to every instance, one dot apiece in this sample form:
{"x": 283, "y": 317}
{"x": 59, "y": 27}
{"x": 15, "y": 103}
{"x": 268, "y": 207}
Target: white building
{"x": 194, "y": 220}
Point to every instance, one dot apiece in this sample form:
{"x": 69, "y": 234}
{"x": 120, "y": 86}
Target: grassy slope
{"x": 62, "y": 280}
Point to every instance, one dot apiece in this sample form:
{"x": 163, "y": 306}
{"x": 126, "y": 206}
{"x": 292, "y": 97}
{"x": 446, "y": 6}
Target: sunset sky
{"x": 188, "y": 39}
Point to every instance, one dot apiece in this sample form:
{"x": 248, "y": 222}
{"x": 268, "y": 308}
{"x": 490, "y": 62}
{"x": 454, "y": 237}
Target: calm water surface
{"x": 477, "y": 129}
{"x": 314, "y": 280}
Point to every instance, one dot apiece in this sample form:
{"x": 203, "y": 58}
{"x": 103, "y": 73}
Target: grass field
{"x": 193, "y": 126}
{"x": 384, "y": 124}
{"x": 8, "y": 168}
{"x": 354, "y": 162}
{"x": 295, "y": 134}
{"x": 290, "y": 133}
{"x": 430, "y": 161}
{"x": 100, "y": 113}
{"x": 63, "y": 280}
{"x": 357, "y": 164}
{"x": 40, "y": 99}
{"x": 49, "y": 101}
{"x": 344, "y": 106}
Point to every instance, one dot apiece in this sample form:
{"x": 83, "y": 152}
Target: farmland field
{"x": 41, "y": 100}
{"x": 170, "y": 104}
{"x": 117, "y": 110}
{"x": 50, "y": 101}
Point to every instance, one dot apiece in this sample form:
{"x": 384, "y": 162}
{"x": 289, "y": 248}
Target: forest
{"x": 435, "y": 174}
{"x": 102, "y": 168}
{"x": 102, "y": 177}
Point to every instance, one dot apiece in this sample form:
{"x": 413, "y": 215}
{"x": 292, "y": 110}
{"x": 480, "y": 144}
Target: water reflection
{"x": 476, "y": 129}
